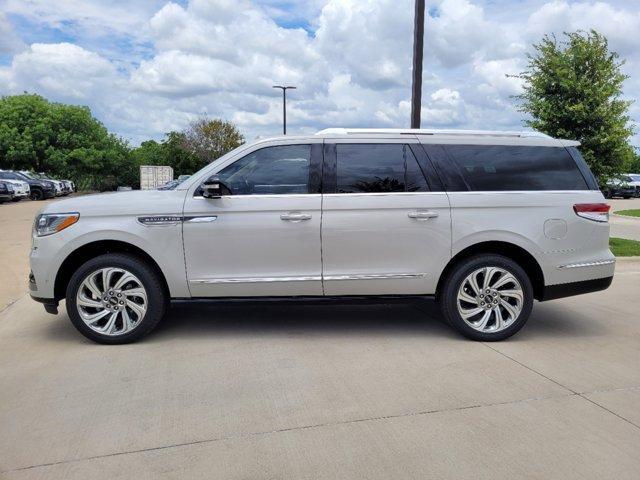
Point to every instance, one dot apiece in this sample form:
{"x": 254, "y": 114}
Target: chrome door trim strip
{"x": 374, "y": 276}
{"x": 256, "y": 279}
{"x": 312, "y": 278}
{"x": 595, "y": 263}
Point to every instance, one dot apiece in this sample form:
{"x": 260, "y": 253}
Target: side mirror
{"x": 213, "y": 187}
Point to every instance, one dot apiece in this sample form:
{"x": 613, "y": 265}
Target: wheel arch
{"x": 507, "y": 249}
{"x": 100, "y": 247}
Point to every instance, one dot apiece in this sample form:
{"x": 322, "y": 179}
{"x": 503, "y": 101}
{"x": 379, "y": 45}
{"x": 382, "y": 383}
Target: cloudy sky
{"x": 148, "y": 67}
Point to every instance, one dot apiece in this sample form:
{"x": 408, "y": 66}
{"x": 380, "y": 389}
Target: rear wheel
{"x": 487, "y": 297}
{"x": 115, "y": 298}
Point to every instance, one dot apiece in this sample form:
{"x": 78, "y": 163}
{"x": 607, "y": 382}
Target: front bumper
{"x": 50, "y": 304}
{"x": 48, "y": 193}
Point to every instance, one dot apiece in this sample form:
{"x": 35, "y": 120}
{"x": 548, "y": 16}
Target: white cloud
{"x": 10, "y": 42}
{"x": 149, "y": 67}
{"x": 62, "y": 71}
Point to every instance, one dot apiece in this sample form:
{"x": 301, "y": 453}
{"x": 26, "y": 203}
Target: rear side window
{"x": 377, "y": 168}
{"x": 502, "y": 167}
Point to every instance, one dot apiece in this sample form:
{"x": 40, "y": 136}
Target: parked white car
{"x": 484, "y": 222}
{"x": 21, "y": 189}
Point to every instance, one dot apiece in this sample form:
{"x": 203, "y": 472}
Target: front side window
{"x": 377, "y": 168}
{"x": 270, "y": 170}
{"x": 503, "y": 167}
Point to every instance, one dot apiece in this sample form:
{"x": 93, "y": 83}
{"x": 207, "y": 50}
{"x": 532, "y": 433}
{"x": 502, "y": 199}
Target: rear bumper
{"x": 552, "y": 292}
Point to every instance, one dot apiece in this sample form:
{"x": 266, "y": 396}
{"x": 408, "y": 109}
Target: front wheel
{"x": 115, "y": 298}
{"x": 487, "y": 297}
{"x": 36, "y": 194}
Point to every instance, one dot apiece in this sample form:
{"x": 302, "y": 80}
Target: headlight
{"x": 49, "y": 223}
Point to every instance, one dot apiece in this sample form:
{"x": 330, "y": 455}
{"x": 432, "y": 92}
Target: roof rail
{"x": 423, "y": 131}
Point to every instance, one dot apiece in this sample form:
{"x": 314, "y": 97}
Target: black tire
{"x": 157, "y": 300}
{"x": 449, "y": 294}
{"x": 17, "y": 199}
{"x": 36, "y": 194}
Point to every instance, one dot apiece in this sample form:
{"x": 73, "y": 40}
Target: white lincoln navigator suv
{"x": 485, "y": 222}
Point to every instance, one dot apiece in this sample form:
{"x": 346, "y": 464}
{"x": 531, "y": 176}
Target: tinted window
{"x": 500, "y": 167}
{"x": 8, "y": 176}
{"x": 377, "y": 168}
{"x": 270, "y": 170}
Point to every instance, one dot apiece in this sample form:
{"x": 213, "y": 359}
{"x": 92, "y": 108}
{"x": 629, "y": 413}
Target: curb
{"x": 628, "y": 259}
{"x": 614, "y": 214}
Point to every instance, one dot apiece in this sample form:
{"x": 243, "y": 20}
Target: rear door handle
{"x": 295, "y": 217}
{"x": 422, "y": 215}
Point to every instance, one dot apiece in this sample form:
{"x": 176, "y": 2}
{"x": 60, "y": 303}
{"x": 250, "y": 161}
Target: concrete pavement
{"x": 334, "y": 391}
{"x": 16, "y": 220}
{"x": 625, "y": 227}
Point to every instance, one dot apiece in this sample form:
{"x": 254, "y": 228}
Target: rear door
{"x": 386, "y": 229}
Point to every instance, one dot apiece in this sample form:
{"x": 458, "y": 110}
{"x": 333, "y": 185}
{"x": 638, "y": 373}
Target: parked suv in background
{"x": 21, "y": 188}
{"x": 38, "y": 189}
{"x": 485, "y": 222}
{"x": 620, "y": 186}
{"x": 634, "y": 181}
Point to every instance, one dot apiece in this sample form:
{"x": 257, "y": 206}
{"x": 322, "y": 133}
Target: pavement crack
{"x": 11, "y": 302}
{"x": 581, "y": 395}
{"x": 287, "y": 429}
{"x": 610, "y": 411}
{"x": 530, "y": 369}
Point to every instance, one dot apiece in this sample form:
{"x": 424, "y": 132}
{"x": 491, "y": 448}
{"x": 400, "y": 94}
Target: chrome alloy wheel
{"x": 111, "y": 301}
{"x": 490, "y": 299}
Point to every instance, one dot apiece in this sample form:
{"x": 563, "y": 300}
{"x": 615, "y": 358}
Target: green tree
{"x": 573, "y": 89}
{"x": 61, "y": 140}
{"x": 634, "y": 165}
{"x": 170, "y": 151}
{"x": 210, "y": 139}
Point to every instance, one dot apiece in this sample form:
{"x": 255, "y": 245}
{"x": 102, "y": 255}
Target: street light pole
{"x": 284, "y": 89}
{"x": 418, "y": 40}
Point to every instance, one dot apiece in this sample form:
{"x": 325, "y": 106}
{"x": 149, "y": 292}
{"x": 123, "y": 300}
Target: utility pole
{"x": 284, "y": 89}
{"x": 418, "y": 41}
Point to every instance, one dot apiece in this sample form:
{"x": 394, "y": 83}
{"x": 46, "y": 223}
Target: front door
{"x": 385, "y": 229}
{"x": 264, "y": 239}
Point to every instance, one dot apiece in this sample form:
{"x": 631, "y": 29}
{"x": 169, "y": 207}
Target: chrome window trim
{"x": 595, "y": 263}
{"x": 380, "y": 194}
{"x": 266, "y": 195}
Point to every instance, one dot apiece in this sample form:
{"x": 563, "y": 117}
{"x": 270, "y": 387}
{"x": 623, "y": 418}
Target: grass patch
{"x": 621, "y": 247}
{"x": 629, "y": 213}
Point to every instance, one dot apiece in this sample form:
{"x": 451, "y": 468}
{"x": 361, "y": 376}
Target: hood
{"x": 136, "y": 202}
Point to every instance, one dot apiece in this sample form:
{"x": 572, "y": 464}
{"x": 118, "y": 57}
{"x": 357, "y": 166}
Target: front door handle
{"x": 422, "y": 215}
{"x": 295, "y": 217}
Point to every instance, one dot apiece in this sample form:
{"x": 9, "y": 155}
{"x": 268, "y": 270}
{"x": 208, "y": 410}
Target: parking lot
{"x": 289, "y": 391}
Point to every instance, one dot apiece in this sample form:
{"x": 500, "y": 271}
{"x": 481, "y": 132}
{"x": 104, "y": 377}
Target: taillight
{"x": 598, "y": 212}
